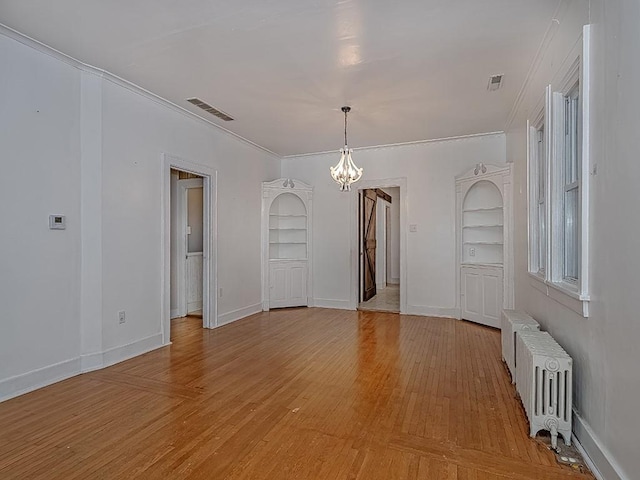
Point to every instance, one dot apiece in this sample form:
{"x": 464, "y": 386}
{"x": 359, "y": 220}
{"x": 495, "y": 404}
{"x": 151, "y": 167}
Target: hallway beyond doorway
{"x": 386, "y": 300}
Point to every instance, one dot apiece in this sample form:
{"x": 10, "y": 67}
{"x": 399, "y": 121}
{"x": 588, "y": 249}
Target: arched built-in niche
{"x": 484, "y": 243}
{"x": 483, "y": 225}
{"x": 286, "y": 243}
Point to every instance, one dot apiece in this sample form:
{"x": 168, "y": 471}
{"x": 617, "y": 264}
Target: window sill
{"x": 562, "y": 294}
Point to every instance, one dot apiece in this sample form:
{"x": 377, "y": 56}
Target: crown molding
{"x": 551, "y": 31}
{"x": 401, "y": 144}
{"x": 63, "y": 57}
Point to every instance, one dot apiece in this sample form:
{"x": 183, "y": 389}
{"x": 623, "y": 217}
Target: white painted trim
{"x": 400, "y": 144}
{"x": 63, "y": 57}
{"x": 427, "y": 311}
{"x": 125, "y": 352}
{"x": 210, "y": 232}
{"x": 174, "y": 313}
{"x": 394, "y": 281}
{"x": 35, "y": 379}
{"x": 400, "y": 182}
{"x": 596, "y": 455}
{"x": 329, "y": 303}
{"x": 238, "y": 314}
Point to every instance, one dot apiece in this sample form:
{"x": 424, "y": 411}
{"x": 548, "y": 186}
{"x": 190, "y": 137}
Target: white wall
{"x": 430, "y": 169}
{"x": 78, "y": 143}
{"x": 605, "y": 345}
{"x": 40, "y": 268}
{"x": 393, "y": 275}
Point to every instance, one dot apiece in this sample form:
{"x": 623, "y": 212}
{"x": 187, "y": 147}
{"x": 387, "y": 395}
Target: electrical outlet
{"x": 472, "y": 252}
{"x": 122, "y": 318}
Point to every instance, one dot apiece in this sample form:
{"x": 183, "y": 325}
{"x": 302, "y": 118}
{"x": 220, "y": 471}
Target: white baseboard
{"x": 27, "y": 382}
{"x": 327, "y": 303}
{"x": 174, "y": 313}
{"x": 427, "y": 311}
{"x": 597, "y": 457}
{"x": 234, "y": 315}
{"x": 130, "y": 350}
{"x": 393, "y": 281}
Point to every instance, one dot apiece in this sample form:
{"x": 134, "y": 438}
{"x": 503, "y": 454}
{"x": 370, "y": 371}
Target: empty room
{"x": 319, "y": 239}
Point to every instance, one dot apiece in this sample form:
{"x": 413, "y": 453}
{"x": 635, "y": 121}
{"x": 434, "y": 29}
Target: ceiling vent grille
{"x": 495, "y": 82}
{"x": 208, "y": 108}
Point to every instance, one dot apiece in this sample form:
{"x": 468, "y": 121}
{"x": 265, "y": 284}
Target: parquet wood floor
{"x": 290, "y": 394}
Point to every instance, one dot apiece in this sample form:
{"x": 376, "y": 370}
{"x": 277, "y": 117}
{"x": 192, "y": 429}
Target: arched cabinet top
{"x": 499, "y": 175}
{"x": 280, "y": 185}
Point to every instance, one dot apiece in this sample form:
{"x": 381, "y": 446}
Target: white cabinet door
{"x": 287, "y": 284}
{"x": 482, "y": 294}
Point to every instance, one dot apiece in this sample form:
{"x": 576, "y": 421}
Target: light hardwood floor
{"x": 290, "y": 394}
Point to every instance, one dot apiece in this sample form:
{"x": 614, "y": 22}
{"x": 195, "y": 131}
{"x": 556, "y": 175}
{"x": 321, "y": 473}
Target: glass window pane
{"x": 542, "y": 250}
{"x": 571, "y": 234}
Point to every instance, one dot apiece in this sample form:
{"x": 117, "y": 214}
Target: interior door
{"x": 190, "y": 245}
{"x": 368, "y": 229}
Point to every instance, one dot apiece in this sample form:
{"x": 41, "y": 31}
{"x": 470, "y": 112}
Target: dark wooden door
{"x": 368, "y": 216}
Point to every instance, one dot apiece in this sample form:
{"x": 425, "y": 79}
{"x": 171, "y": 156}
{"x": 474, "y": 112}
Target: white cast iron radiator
{"x": 543, "y": 380}
{"x": 514, "y": 321}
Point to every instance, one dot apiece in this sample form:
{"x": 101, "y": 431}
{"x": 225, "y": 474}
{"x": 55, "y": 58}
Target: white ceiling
{"x": 411, "y": 70}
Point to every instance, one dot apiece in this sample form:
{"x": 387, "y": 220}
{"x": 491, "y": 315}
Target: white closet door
{"x": 288, "y": 284}
{"x": 482, "y": 294}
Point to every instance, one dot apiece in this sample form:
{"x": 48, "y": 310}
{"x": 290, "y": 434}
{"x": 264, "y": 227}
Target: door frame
{"x": 209, "y": 244}
{"x": 400, "y": 182}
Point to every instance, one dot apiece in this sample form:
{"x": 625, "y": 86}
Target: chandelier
{"x": 345, "y": 172}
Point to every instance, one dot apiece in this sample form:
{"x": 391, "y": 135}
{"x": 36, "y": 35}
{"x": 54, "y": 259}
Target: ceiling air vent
{"x": 495, "y": 82}
{"x": 208, "y": 108}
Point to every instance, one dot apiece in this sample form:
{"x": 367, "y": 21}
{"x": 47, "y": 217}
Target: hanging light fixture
{"x": 345, "y": 172}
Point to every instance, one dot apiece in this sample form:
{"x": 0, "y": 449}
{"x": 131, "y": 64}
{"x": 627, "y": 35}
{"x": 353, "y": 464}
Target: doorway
{"x": 379, "y": 248}
{"x": 187, "y": 242}
{"x": 188, "y": 278}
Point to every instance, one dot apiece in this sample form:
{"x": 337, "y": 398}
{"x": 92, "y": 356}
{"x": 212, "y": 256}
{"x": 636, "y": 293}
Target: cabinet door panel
{"x": 278, "y": 284}
{"x": 492, "y": 298}
{"x": 472, "y": 290}
{"x": 298, "y": 285}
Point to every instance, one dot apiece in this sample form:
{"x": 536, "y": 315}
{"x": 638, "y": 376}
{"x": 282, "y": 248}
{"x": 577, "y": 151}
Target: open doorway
{"x": 188, "y": 278}
{"x": 187, "y": 244}
{"x": 379, "y": 241}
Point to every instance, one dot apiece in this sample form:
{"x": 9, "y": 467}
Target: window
{"x": 538, "y": 160}
{"x": 559, "y": 188}
{"x": 571, "y": 161}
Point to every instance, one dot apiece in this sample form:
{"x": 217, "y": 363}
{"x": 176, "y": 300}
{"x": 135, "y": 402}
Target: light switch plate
{"x": 57, "y": 222}
{"x": 413, "y": 228}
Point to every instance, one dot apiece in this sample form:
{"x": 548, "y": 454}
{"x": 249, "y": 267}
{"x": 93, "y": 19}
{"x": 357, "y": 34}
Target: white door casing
{"x": 400, "y": 182}
{"x": 209, "y": 254}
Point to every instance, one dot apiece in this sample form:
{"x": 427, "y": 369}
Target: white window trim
{"x": 541, "y": 119}
{"x": 574, "y": 295}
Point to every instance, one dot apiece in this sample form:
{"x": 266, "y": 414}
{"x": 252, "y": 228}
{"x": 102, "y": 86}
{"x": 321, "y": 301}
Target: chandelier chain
{"x": 345, "y": 127}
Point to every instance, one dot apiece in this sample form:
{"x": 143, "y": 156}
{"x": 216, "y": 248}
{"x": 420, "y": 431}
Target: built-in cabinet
{"x": 485, "y": 255}
{"x": 286, "y": 243}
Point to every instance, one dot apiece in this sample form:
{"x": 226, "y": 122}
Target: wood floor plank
{"x": 304, "y": 393}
